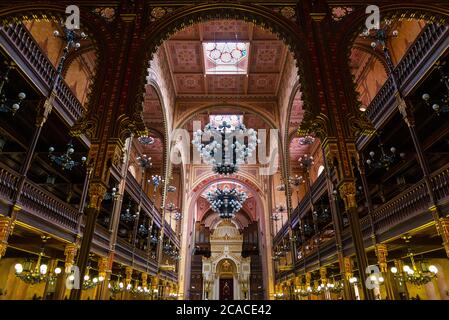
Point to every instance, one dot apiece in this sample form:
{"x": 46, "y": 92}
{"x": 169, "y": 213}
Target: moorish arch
{"x": 253, "y": 188}
{"x": 285, "y": 29}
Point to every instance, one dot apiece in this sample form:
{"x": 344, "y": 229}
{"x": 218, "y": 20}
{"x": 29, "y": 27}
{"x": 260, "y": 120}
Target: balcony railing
{"x": 133, "y": 189}
{"x": 410, "y": 203}
{"x": 22, "y": 47}
{"x": 43, "y": 205}
{"x": 418, "y": 58}
{"x": 318, "y": 188}
{"x": 38, "y": 201}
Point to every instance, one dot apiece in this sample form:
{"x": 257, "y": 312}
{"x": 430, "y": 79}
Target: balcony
{"x": 133, "y": 189}
{"x": 417, "y": 61}
{"x": 24, "y": 50}
{"x": 44, "y": 211}
{"x": 318, "y": 189}
{"x": 406, "y": 211}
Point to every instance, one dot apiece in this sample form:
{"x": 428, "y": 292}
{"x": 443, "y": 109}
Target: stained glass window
{"x": 225, "y": 57}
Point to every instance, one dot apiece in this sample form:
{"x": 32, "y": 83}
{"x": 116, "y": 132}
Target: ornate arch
{"x": 239, "y": 106}
{"x": 286, "y": 30}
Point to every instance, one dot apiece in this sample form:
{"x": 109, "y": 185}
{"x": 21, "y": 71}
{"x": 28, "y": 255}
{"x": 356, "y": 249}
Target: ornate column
{"x": 104, "y": 271}
{"x": 155, "y": 287}
{"x": 331, "y": 111}
{"x": 405, "y": 108}
{"x": 444, "y": 230}
{"x": 337, "y": 222}
{"x": 347, "y": 274}
{"x": 348, "y": 191}
{"x": 144, "y": 277}
{"x": 382, "y": 253}
{"x": 308, "y": 282}
{"x": 128, "y": 280}
{"x": 70, "y": 254}
{"x": 324, "y": 281}
{"x": 114, "y": 112}
{"x": 96, "y": 194}
{"x": 401, "y": 285}
{"x": 6, "y": 229}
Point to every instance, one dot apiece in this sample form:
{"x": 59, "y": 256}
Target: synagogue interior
{"x": 220, "y": 150}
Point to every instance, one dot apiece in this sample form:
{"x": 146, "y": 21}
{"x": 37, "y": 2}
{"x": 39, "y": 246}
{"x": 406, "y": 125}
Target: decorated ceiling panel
{"x": 258, "y": 68}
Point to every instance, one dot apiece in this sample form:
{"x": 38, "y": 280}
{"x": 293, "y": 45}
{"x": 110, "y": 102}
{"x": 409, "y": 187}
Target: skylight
{"x": 226, "y": 57}
{"x": 234, "y": 120}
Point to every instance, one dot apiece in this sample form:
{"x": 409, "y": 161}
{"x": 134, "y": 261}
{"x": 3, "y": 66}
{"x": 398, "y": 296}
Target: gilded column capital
{"x": 70, "y": 254}
{"x": 6, "y": 229}
{"x": 444, "y": 231}
{"x": 323, "y": 274}
{"x": 382, "y": 253}
{"x": 308, "y": 279}
{"x": 44, "y": 110}
{"x": 348, "y": 267}
{"x": 155, "y": 282}
{"x": 144, "y": 277}
{"x": 96, "y": 195}
{"x": 128, "y": 275}
{"x": 103, "y": 267}
{"x": 347, "y": 192}
{"x": 405, "y": 111}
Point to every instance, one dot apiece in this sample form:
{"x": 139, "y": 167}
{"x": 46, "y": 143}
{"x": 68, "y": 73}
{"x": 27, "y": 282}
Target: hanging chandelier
{"x": 440, "y": 105}
{"x": 142, "y": 231}
{"x": 127, "y": 216}
{"x": 296, "y": 181}
{"x": 419, "y": 273}
{"x": 156, "y": 180}
{"x": 65, "y": 160}
{"x": 306, "y": 140}
{"x": 226, "y": 202}
{"x": 116, "y": 286}
{"x": 6, "y": 104}
{"x": 227, "y": 148}
{"x": 178, "y": 216}
{"x": 146, "y": 140}
{"x": 39, "y": 273}
{"x": 385, "y": 160}
{"x": 306, "y": 161}
{"x": 144, "y": 161}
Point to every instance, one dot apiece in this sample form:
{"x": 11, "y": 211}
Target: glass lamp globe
{"x": 86, "y": 277}
{"x": 58, "y": 270}
{"x": 19, "y": 268}
{"x": 394, "y": 270}
{"x": 43, "y": 269}
{"x": 433, "y": 269}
